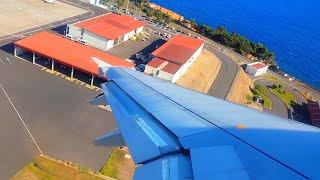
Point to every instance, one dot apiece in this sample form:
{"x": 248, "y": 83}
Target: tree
{"x": 122, "y": 3}
{"x": 193, "y": 22}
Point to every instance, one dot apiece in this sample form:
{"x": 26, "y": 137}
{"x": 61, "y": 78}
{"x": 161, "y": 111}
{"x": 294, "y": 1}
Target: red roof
{"x": 314, "y": 111}
{"x": 258, "y": 65}
{"x": 178, "y": 49}
{"x": 111, "y": 26}
{"x": 69, "y": 52}
{"x": 171, "y": 68}
{"x": 156, "y": 62}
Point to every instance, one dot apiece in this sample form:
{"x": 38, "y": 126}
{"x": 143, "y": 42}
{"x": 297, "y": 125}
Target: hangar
{"x": 59, "y": 50}
{"x": 106, "y": 31}
{"x": 173, "y": 58}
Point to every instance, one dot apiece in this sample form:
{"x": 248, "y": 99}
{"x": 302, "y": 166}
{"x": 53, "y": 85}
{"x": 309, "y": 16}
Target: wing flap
{"x": 170, "y": 167}
{"x": 146, "y": 138}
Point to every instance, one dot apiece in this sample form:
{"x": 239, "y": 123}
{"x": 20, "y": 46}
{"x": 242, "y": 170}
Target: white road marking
{"x": 24, "y": 124}
{"x": 8, "y": 60}
{"x": 1, "y": 61}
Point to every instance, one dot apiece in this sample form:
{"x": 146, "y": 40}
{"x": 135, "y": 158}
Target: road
{"x": 278, "y": 106}
{"x": 227, "y": 73}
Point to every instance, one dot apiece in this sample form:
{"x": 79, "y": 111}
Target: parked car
{"x": 69, "y": 36}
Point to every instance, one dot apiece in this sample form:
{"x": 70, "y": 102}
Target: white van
{"x": 49, "y": 1}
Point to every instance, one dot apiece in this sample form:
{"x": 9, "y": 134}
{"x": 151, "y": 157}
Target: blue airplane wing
{"x": 176, "y": 133}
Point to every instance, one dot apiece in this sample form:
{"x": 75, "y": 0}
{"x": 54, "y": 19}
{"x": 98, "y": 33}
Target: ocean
{"x": 290, "y": 28}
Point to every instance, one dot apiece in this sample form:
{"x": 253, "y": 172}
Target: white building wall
{"x": 256, "y": 72}
{"x": 164, "y": 75}
{"x": 125, "y": 37}
{"x": 73, "y": 30}
{"x": 183, "y": 69}
{"x": 261, "y": 71}
{"x": 95, "y": 40}
{"x": 131, "y": 34}
{"x": 148, "y": 69}
{"x": 110, "y": 44}
{"x": 250, "y": 70}
{"x": 139, "y": 30}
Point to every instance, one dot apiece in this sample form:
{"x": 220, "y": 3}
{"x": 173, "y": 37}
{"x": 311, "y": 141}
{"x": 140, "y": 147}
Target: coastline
{"x": 312, "y": 83}
{"x": 281, "y": 74}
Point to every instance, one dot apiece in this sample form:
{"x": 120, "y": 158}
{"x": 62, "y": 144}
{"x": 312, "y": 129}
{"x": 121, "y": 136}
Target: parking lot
{"x": 43, "y": 112}
{"x": 129, "y": 49}
{"x": 20, "y": 15}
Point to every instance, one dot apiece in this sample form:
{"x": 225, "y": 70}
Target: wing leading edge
{"x": 175, "y": 133}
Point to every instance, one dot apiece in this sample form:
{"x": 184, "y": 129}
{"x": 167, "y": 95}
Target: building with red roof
{"x": 314, "y": 111}
{"x": 72, "y": 54}
{"x": 106, "y": 31}
{"x": 174, "y": 57}
{"x": 256, "y": 68}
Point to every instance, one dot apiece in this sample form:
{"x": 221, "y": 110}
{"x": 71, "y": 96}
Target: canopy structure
{"x": 70, "y": 53}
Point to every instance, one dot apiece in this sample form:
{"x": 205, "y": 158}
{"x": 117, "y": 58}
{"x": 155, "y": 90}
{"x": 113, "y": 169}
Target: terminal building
{"x": 54, "y": 51}
{"x": 256, "y": 68}
{"x": 106, "y": 31}
{"x": 172, "y": 59}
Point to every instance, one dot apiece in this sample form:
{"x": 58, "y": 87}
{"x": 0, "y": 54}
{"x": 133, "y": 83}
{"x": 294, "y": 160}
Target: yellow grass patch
{"x": 202, "y": 73}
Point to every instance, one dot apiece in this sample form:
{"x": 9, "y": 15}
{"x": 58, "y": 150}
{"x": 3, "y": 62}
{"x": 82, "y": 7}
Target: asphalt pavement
{"x": 278, "y": 106}
{"x": 40, "y": 109}
{"x": 227, "y": 73}
{"x": 41, "y": 112}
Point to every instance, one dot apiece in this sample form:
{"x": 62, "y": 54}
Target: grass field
{"x": 287, "y": 97}
{"x": 46, "y": 168}
{"x": 110, "y": 168}
{"x": 117, "y": 166}
{"x": 260, "y": 91}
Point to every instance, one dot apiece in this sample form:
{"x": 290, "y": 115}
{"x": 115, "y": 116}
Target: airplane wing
{"x": 176, "y": 133}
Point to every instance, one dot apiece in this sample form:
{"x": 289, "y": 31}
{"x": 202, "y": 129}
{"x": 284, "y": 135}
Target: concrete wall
{"x": 95, "y": 40}
{"x": 73, "y": 30}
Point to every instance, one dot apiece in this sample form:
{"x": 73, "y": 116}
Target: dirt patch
{"x": 240, "y": 90}
{"x": 47, "y": 168}
{"x": 202, "y": 73}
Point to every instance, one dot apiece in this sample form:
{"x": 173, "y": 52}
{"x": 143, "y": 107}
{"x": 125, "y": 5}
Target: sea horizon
{"x": 290, "y": 30}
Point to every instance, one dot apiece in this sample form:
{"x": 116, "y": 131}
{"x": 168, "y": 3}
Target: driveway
{"x": 226, "y": 75}
{"x": 278, "y": 106}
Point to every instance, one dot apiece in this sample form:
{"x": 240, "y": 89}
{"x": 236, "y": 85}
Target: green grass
{"x": 285, "y": 96}
{"x": 110, "y": 168}
{"x": 260, "y": 91}
{"x": 266, "y": 101}
{"x": 44, "y": 168}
